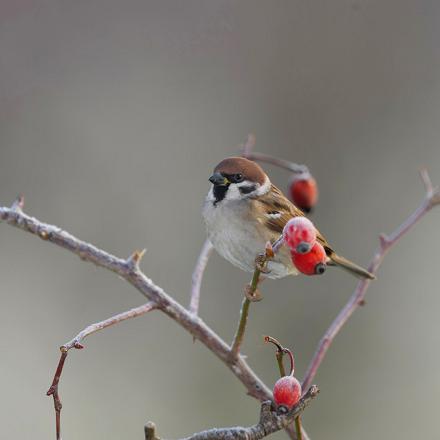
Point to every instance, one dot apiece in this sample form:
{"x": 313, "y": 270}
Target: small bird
{"x": 244, "y": 210}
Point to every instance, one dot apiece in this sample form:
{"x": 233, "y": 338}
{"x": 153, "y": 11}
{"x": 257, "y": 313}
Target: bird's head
{"x": 237, "y": 178}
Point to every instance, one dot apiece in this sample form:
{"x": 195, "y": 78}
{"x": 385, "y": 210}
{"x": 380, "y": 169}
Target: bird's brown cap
{"x": 239, "y": 165}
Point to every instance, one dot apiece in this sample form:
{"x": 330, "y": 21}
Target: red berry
{"x": 312, "y": 263}
{"x": 299, "y": 234}
{"x": 287, "y": 392}
{"x": 303, "y": 191}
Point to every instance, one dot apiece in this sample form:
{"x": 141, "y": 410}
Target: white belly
{"x": 237, "y": 239}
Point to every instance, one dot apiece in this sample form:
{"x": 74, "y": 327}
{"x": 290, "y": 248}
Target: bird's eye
{"x": 238, "y": 178}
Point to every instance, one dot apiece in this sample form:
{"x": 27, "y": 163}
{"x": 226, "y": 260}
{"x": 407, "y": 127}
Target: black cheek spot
{"x": 247, "y": 189}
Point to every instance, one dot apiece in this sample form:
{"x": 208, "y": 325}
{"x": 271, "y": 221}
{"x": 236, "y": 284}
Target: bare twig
{"x": 298, "y": 428}
{"x": 116, "y": 319}
{"x": 197, "y": 276}
{"x": 432, "y": 198}
{"x": 76, "y": 343}
{"x": 248, "y": 146}
{"x": 130, "y": 271}
{"x": 150, "y": 431}
{"x": 248, "y": 153}
{"x": 53, "y": 391}
{"x": 251, "y": 295}
{"x": 269, "y": 422}
{"x": 239, "y": 335}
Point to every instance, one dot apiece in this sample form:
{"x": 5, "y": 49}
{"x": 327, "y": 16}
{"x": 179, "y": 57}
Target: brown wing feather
{"x": 277, "y": 210}
{"x": 275, "y": 201}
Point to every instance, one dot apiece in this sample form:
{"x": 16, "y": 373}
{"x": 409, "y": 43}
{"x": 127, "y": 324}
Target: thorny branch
{"x": 432, "y": 198}
{"x": 76, "y": 343}
{"x": 188, "y": 319}
{"x": 129, "y": 270}
{"x": 269, "y": 423}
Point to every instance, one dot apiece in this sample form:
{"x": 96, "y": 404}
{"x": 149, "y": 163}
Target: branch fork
{"x": 129, "y": 270}
{"x": 269, "y": 422}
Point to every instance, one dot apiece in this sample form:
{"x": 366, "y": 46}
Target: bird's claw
{"x": 261, "y": 263}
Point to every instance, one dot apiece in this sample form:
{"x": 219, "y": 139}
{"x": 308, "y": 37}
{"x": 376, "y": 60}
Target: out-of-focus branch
{"x": 432, "y": 198}
{"x": 269, "y": 423}
{"x": 197, "y": 276}
{"x": 248, "y": 153}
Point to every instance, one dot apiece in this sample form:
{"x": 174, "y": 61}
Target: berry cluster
{"x": 307, "y": 254}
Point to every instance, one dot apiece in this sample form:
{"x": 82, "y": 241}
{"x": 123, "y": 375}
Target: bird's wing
{"x": 275, "y": 210}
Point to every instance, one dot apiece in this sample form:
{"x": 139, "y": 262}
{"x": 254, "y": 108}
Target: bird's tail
{"x": 351, "y": 267}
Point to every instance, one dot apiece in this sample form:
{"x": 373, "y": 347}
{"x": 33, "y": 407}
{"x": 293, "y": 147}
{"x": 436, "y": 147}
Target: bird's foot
{"x": 261, "y": 263}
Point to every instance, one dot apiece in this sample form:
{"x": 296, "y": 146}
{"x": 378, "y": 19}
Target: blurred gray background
{"x": 112, "y": 115}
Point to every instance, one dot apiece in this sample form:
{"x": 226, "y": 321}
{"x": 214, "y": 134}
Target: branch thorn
{"x": 249, "y": 145}
{"x": 18, "y": 203}
{"x": 426, "y": 180}
{"x": 384, "y": 241}
{"x": 136, "y": 257}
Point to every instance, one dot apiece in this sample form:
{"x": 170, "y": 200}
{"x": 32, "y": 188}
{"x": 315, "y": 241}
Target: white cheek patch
{"x": 233, "y": 192}
{"x": 263, "y": 189}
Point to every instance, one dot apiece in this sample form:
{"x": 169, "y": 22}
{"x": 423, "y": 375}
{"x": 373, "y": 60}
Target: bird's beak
{"x": 218, "y": 179}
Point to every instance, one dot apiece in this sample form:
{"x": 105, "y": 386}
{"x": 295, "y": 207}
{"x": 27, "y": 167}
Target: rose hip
{"x": 311, "y": 263}
{"x": 299, "y": 234}
{"x": 303, "y": 191}
{"x": 287, "y": 392}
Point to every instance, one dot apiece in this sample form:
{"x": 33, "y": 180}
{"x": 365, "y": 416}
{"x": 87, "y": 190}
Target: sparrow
{"x": 244, "y": 210}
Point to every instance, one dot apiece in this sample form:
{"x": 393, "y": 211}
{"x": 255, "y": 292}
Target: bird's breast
{"x": 238, "y": 237}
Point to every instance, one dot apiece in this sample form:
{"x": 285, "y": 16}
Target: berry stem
{"x": 281, "y": 351}
{"x": 278, "y": 354}
{"x": 255, "y": 280}
{"x": 248, "y": 153}
{"x": 292, "y": 361}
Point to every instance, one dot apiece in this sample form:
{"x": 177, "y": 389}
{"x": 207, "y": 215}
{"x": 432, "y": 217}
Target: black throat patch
{"x": 219, "y": 193}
